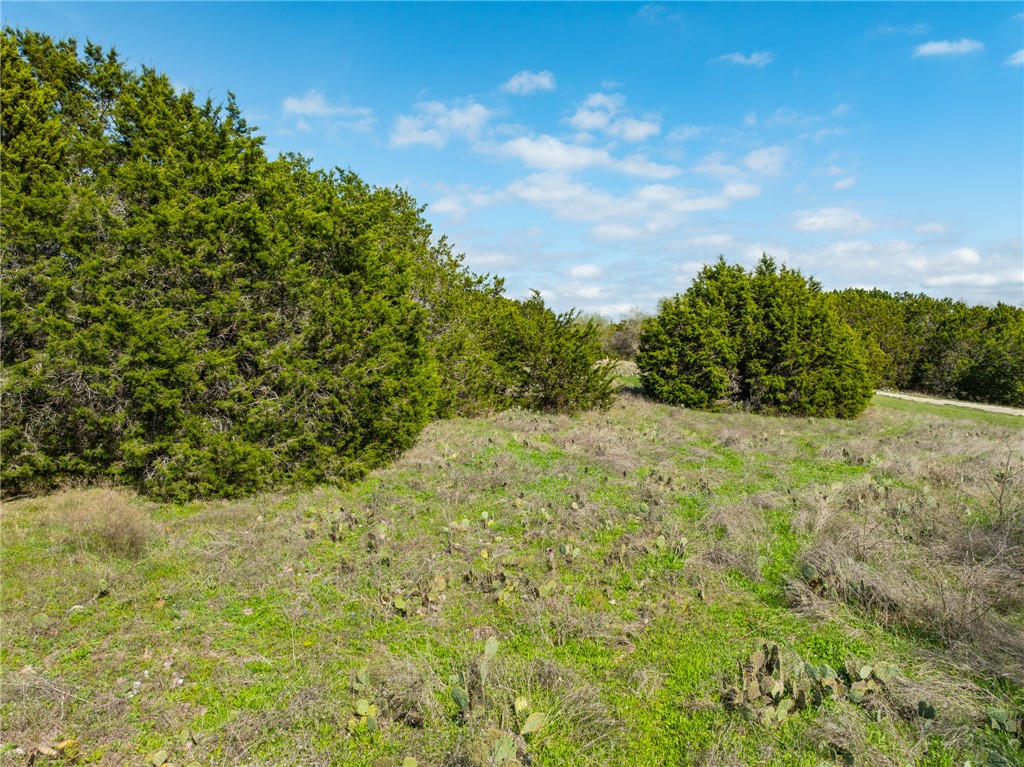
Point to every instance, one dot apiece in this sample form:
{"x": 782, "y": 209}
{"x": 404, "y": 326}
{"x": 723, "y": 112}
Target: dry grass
{"x": 269, "y": 605}
{"x": 938, "y": 559}
{"x": 100, "y": 520}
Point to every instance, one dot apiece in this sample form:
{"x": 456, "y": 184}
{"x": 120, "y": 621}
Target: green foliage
{"x": 183, "y": 315}
{"x": 493, "y": 352}
{"x": 196, "y": 320}
{"x": 548, "y": 361}
{"x": 766, "y": 339}
{"x": 939, "y": 346}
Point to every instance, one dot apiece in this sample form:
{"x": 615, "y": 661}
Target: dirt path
{"x": 955, "y": 403}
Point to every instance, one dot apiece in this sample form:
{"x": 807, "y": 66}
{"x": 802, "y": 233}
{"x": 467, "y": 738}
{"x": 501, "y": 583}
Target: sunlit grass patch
{"x": 624, "y": 562}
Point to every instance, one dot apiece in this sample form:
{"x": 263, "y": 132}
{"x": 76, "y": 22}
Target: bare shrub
{"x": 101, "y": 520}
{"x": 407, "y": 688}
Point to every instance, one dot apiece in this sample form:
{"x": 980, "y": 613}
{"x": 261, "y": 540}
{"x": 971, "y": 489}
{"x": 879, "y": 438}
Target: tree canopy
{"x": 182, "y": 314}
{"x": 940, "y": 346}
{"x": 766, "y": 339}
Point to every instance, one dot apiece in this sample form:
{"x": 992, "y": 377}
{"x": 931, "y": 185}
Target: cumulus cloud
{"x": 966, "y": 255}
{"x": 604, "y": 112}
{"x": 932, "y": 227}
{"x": 712, "y": 240}
{"x": 759, "y": 59}
{"x": 1015, "y": 60}
{"x": 949, "y": 47}
{"x": 686, "y": 132}
{"x": 977, "y": 279}
{"x": 585, "y": 271}
{"x": 435, "y": 123}
{"x": 527, "y": 82}
{"x": 715, "y": 165}
{"x": 768, "y": 161}
{"x": 741, "y": 191}
{"x": 313, "y": 104}
{"x": 831, "y": 219}
{"x": 645, "y": 212}
{"x": 551, "y": 154}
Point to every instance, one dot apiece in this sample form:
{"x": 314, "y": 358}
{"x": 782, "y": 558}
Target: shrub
{"x": 549, "y": 362}
{"x": 185, "y": 316}
{"x": 624, "y": 339}
{"x": 181, "y": 314}
{"x": 767, "y": 339}
{"x": 101, "y": 520}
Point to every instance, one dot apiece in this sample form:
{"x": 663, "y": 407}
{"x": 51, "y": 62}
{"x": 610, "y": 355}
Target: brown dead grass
{"x": 101, "y": 520}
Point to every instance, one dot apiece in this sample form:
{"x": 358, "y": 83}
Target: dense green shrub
{"x": 186, "y": 316}
{"x": 767, "y": 339}
{"x": 494, "y": 352}
{"x": 549, "y": 361}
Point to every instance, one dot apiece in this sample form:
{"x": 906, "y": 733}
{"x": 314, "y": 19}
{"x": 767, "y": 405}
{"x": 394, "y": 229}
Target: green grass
{"x": 629, "y": 562}
{"x": 948, "y": 411}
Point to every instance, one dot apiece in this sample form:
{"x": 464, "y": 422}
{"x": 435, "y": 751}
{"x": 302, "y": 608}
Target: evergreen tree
{"x": 186, "y": 316}
{"x": 768, "y": 340}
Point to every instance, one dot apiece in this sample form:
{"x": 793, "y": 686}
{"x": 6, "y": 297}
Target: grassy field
{"x": 643, "y": 586}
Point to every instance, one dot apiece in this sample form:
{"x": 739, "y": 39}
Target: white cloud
{"x": 845, "y": 183}
{"x": 314, "y": 105}
{"x": 585, "y": 271}
{"x": 756, "y": 59}
{"x": 617, "y": 232}
{"x": 603, "y": 112}
{"x": 450, "y": 206}
{"x": 1015, "y": 60}
{"x": 966, "y": 255}
{"x": 716, "y": 240}
{"x": 686, "y": 132}
{"x": 741, "y": 191}
{"x": 829, "y": 219}
{"x": 655, "y": 13}
{"x": 715, "y": 165}
{"x": 949, "y": 47}
{"x": 435, "y": 123}
{"x": 526, "y": 82}
{"x": 976, "y": 279}
{"x": 840, "y": 110}
{"x": 913, "y": 29}
{"x": 768, "y": 161}
{"x": 931, "y": 228}
{"x": 551, "y": 154}
{"x": 638, "y": 165}
{"x": 643, "y": 212}
{"x": 413, "y": 130}
{"x": 589, "y": 291}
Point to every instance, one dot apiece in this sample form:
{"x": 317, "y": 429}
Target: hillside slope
{"x": 629, "y": 565}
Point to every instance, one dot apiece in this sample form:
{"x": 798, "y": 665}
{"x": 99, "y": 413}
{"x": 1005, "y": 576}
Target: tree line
{"x": 939, "y": 346}
{"x": 184, "y": 315}
{"x": 909, "y": 342}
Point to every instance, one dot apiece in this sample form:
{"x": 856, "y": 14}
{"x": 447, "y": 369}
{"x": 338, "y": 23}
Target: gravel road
{"x": 954, "y": 403}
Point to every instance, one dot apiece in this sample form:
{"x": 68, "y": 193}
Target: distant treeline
{"x": 939, "y": 346}
{"x": 911, "y": 342}
{"x": 184, "y": 315}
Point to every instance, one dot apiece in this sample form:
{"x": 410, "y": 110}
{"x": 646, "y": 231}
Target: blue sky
{"x": 601, "y": 152}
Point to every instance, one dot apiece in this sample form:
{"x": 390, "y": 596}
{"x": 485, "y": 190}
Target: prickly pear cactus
{"x": 768, "y": 693}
